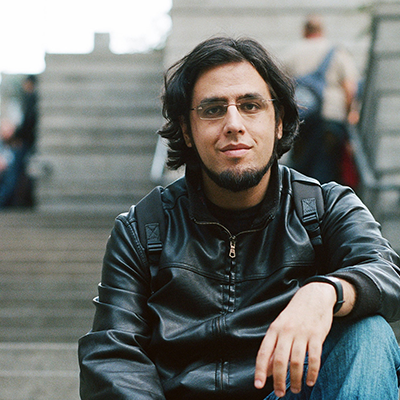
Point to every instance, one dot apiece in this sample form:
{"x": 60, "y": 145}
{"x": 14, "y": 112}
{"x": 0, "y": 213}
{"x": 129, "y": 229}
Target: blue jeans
{"x": 360, "y": 360}
{"x": 10, "y": 179}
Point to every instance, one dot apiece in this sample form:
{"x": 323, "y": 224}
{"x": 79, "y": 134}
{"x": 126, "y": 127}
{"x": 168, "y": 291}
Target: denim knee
{"x": 373, "y": 330}
{"x": 360, "y": 360}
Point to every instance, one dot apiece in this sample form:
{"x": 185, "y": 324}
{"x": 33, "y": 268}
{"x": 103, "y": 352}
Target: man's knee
{"x": 360, "y": 360}
{"x": 373, "y": 329}
{"x": 371, "y": 339}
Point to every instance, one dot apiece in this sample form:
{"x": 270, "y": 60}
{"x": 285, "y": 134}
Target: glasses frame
{"x": 226, "y": 105}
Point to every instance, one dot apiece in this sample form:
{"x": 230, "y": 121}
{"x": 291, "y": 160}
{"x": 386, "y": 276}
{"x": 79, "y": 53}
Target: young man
{"x": 238, "y": 301}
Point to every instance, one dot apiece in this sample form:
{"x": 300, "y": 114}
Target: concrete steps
{"x": 50, "y": 264}
{"x": 99, "y": 117}
{"x": 33, "y": 371}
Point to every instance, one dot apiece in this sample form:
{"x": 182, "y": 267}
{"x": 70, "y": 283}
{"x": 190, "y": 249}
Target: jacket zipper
{"x": 232, "y": 256}
{"x": 232, "y": 249}
{"x": 232, "y": 238}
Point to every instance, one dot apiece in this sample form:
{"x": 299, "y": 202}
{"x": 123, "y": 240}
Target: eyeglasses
{"x": 248, "y": 107}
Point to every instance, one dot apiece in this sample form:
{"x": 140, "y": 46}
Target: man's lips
{"x": 235, "y": 150}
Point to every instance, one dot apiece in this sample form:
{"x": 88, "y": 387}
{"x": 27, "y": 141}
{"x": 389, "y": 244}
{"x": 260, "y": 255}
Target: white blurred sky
{"x": 29, "y": 28}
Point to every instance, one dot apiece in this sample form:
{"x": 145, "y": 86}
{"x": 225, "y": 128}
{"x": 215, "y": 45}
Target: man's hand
{"x": 300, "y": 328}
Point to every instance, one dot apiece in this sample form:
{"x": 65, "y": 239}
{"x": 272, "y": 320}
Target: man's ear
{"x": 279, "y": 124}
{"x": 279, "y": 129}
{"x": 185, "y": 131}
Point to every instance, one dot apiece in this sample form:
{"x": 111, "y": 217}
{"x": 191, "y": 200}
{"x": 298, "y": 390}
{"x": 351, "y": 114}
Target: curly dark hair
{"x": 180, "y": 79}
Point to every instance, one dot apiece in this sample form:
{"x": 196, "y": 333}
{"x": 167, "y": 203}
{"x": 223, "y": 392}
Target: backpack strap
{"x": 310, "y": 89}
{"x": 151, "y": 224}
{"x": 308, "y": 201}
{"x": 325, "y": 62}
{"x": 309, "y": 205}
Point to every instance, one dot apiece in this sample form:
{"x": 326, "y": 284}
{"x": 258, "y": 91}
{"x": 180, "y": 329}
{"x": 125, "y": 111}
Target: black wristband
{"x": 335, "y": 282}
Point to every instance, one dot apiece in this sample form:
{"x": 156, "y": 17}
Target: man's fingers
{"x": 280, "y": 368}
{"x": 314, "y": 362}
{"x": 297, "y": 365}
{"x": 263, "y": 361}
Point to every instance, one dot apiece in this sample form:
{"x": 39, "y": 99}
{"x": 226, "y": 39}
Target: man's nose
{"x": 233, "y": 120}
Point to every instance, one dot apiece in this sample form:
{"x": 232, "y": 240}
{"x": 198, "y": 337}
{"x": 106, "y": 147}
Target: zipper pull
{"x": 232, "y": 250}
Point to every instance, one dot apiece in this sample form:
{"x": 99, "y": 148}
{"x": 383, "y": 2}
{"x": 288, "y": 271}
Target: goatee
{"x": 238, "y": 181}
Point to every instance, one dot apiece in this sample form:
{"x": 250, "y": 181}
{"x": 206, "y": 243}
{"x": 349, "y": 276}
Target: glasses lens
{"x": 217, "y": 109}
{"x": 251, "y": 106}
{"x": 213, "y": 110}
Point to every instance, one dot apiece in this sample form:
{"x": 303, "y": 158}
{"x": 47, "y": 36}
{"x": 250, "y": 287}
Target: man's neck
{"x": 235, "y": 200}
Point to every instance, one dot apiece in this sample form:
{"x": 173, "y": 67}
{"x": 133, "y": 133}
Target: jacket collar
{"x": 197, "y": 201}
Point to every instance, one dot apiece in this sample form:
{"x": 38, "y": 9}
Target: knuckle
{"x": 279, "y": 361}
{"x": 296, "y": 363}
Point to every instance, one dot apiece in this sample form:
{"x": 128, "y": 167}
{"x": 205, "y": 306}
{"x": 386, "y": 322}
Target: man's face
{"x": 235, "y": 151}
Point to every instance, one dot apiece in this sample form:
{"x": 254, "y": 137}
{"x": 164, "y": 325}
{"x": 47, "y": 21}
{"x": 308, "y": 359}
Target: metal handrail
{"x": 367, "y": 175}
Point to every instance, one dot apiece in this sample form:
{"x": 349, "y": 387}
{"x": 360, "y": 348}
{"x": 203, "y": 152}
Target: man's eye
{"x": 250, "y": 106}
{"x": 213, "y": 110}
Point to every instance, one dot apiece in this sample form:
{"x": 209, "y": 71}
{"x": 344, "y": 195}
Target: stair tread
{"x": 50, "y": 265}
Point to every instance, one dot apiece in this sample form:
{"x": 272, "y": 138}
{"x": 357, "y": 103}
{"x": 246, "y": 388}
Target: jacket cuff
{"x": 367, "y": 294}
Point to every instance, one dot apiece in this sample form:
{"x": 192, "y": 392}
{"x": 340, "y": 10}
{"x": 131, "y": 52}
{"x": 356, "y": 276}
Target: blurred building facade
{"x": 100, "y": 111}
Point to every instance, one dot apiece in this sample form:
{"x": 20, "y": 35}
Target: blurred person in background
{"x": 16, "y": 188}
{"x": 320, "y": 149}
{"x": 6, "y": 162}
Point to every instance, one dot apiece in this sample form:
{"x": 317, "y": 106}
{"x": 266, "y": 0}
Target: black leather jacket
{"x": 191, "y": 327}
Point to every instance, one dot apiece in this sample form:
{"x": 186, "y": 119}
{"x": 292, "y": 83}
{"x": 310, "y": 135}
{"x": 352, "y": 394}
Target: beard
{"x": 239, "y": 180}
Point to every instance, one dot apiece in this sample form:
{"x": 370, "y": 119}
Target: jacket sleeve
{"x": 359, "y": 254}
{"x": 113, "y": 360}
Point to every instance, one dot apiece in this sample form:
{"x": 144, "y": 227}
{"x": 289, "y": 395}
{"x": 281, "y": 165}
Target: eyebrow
{"x": 208, "y": 100}
{"x": 214, "y": 99}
